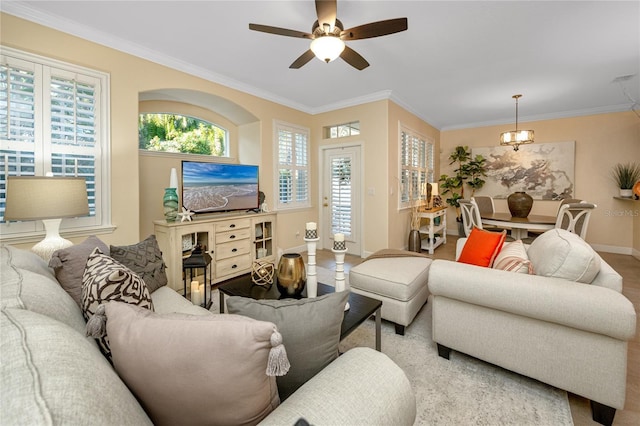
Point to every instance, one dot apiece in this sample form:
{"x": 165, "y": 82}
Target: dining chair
{"x": 486, "y": 205}
{"x": 470, "y": 215}
{"x": 574, "y": 217}
{"x": 533, "y": 234}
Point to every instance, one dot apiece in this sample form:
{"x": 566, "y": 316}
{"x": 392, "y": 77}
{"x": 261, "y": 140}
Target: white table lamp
{"x": 48, "y": 199}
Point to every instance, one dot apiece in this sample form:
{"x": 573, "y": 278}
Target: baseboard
{"x": 612, "y": 249}
{"x": 636, "y": 254}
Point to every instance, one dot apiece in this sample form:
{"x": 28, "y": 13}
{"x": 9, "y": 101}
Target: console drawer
{"x": 234, "y": 235}
{"x": 233, "y": 265}
{"x": 232, "y": 248}
{"x": 232, "y": 224}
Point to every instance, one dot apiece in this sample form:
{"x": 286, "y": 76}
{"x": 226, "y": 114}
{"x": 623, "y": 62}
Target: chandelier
{"x": 516, "y": 137}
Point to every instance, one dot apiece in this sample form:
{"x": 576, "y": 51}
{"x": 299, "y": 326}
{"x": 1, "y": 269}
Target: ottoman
{"x": 400, "y": 283}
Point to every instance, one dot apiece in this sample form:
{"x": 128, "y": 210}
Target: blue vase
{"x": 170, "y": 204}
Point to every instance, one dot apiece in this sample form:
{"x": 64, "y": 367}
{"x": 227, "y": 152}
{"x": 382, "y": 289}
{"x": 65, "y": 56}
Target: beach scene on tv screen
{"x": 209, "y": 187}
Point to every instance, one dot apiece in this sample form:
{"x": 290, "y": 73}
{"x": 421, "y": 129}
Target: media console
{"x": 234, "y": 241}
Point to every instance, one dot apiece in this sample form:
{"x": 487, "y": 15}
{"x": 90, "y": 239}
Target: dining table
{"x": 519, "y": 226}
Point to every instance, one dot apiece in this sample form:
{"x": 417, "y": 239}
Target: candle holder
{"x": 340, "y": 279}
{"x": 310, "y": 234}
{"x": 312, "y": 276}
{"x": 339, "y": 245}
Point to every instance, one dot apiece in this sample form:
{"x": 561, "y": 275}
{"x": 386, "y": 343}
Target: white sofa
{"x": 568, "y": 334}
{"x": 52, "y": 374}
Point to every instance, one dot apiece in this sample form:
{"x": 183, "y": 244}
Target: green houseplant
{"x": 625, "y": 176}
{"x": 469, "y": 171}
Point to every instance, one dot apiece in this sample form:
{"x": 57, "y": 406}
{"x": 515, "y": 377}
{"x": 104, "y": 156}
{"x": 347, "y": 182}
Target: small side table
{"x": 437, "y": 214}
{"x": 194, "y": 262}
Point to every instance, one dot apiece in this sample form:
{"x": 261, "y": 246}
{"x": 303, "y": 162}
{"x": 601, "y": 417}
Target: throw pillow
{"x": 69, "y": 264}
{"x": 310, "y": 330}
{"x": 104, "y": 280}
{"x": 195, "y": 369}
{"x": 562, "y": 254}
{"x": 513, "y": 257}
{"x": 145, "y": 259}
{"x": 482, "y": 247}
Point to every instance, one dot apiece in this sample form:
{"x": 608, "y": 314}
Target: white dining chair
{"x": 485, "y": 205}
{"x": 574, "y": 217}
{"x": 470, "y": 215}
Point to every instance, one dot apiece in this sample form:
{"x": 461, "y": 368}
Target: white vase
{"x": 626, "y": 193}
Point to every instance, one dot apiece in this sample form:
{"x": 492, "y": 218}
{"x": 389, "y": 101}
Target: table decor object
{"x": 626, "y": 176}
{"x": 170, "y": 204}
{"x": 340, "y": 284}
{"x": 291, "y": 275}
{"x": 338, "y": 242}
{"x": 520, "y": 204}
{"x": 262, "y": 273}
{"x": 312, "y": 276}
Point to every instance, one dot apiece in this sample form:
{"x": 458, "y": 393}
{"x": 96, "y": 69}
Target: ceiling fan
{"x": 328, "y": 36}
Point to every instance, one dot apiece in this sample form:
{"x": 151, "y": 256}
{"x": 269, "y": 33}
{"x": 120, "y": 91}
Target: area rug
{"x": 462, "y": 390}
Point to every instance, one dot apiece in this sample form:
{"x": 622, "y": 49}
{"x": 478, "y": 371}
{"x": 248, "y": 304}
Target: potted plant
{"x": 469, "y": 171}
{"x": 625, "y": 176}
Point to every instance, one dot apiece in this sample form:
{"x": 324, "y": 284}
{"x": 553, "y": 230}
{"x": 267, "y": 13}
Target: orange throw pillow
{"x": 482, "y": 247}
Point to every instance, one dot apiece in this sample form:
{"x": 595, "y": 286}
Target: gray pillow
{"x": 310, "y": 331}
{"x": 145, "y": 259}
{"x": 69, "y": 264}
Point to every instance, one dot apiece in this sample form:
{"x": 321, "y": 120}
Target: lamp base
{"x": 52, "y": 241}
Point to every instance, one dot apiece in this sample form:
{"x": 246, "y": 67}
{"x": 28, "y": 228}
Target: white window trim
{"x": 430, "y": 146}
{"x": 277, "y": 125}
{"x": 75, "y": 226}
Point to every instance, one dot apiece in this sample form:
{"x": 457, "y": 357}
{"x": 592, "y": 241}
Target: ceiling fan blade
{"x": 326, "y": 10}
{"x": 302, "y": 60}
{"x": 375, "y": 29}
{"x": 353, "y": 58}
{"x": 280, "y": 31}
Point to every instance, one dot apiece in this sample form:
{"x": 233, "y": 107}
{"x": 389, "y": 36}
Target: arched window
{"x": 181, "y": 133}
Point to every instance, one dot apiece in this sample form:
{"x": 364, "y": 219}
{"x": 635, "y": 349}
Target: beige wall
{"x": 129, "y": 77}
{"x": 601, "y": 141}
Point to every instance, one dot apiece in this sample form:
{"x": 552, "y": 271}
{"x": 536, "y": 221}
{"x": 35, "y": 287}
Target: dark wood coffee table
{"x": 362, "y": 307}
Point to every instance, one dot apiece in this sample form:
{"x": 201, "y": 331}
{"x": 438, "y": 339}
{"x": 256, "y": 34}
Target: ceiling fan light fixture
{"x": 516, "y": 137}
{"x": 327, "y": 47}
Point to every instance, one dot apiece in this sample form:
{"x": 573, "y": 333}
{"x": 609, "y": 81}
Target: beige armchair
{"x": 572, "y": 335}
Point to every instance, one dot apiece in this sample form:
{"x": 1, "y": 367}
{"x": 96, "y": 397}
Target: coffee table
{"x": 362, "y": 307}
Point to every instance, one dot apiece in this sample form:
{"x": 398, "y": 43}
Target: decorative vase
{"x": 520, "y": 204}
{"x": 170, "y": 204}
{"x": 291, "y": 275}
{"x": 414, "y": 241}
{"x": 626, "y": 193}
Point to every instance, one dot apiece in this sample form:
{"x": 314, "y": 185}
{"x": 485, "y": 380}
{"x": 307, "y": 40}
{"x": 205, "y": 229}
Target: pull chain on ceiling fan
{"x": 328, "y": 36}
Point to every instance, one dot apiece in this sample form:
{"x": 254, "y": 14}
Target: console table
{"x": 438, "y": 214}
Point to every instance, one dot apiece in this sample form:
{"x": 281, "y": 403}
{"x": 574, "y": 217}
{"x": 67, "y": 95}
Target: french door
{"x": 341, "y": 197}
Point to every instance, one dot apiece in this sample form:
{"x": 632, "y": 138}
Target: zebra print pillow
{"x": 106, "y": 280}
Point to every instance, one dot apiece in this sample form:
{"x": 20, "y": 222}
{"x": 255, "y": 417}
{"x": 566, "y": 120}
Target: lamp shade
{"x": 39, "y": 197}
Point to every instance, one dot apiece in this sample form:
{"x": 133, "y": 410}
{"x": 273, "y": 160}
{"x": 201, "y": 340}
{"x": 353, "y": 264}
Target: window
{"x": 416, "y": 166}
{"x": 342, "y": 130}
{"x": 179, "y": 133}
{"x": 53, "y": 118}
{"x": 292, "y": 157}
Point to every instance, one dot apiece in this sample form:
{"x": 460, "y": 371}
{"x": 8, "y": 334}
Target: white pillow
{"x": 562, "y": 254}
{"x": 513, "y": 257}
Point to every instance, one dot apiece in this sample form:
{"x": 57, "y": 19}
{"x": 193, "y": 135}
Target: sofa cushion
{"x": 561, "y": 254}
{"x": 69, "y": 264}
{"x": 145, "y": 259}
{"x": 482, "y": 247}
{"x": 513, "y": 257}
{"x": 105, "y": 280}
{"x": 194, "y": 369}
{"x": 53, "y": 375}
{"x": 310, "y": 330}
{"x": 35, "y": 288}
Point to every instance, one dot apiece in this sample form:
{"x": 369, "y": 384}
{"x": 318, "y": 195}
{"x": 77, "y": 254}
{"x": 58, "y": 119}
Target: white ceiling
{"x": 456, "y": 66}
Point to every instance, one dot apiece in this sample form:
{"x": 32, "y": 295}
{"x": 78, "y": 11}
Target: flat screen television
{"x": 219, "y": 187}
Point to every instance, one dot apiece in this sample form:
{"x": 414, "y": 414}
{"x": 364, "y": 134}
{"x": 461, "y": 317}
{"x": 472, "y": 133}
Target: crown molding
{"x": 543, "y": 117}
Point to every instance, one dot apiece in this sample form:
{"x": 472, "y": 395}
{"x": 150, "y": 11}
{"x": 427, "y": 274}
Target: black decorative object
{"x": 520, "y": 204}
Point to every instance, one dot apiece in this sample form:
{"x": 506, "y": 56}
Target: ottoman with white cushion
{"x": 400, "y": 283}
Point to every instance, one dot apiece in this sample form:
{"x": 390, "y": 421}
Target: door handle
{"x": 326, "y": 204}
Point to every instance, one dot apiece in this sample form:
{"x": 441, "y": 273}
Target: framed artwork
{"x": 543, "y": 170}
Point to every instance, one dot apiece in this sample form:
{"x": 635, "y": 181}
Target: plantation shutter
{"x": 416, "y": 166}
{"x": 341, "y": 211}
{"x": 293, "y": 166}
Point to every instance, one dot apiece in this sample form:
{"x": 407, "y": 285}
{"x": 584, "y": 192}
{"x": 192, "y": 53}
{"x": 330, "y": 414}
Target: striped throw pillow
{"x": 513, "y": 257}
